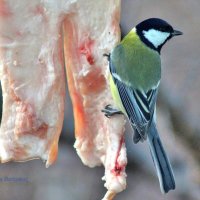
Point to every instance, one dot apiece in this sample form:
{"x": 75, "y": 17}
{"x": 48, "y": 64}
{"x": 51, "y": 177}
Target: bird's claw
{"x": 107, "y": 55}
{"x": 109, "y": 111}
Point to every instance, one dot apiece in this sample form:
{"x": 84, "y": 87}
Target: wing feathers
{"x": 142, "y": 103}
{"x": 135, "y": 114}
{"x": 138, "y": 105}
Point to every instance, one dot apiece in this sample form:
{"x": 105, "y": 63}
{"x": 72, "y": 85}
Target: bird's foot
{"x": 109, "y": 111}
{"x": 107, "y": 55}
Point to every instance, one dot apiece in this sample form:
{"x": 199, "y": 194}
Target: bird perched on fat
{"x": 135, "y": 73}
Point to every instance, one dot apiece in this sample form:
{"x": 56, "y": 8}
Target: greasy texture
{"x": 32, "y": 78}
{"x": 98, "y": 140}
{"x": 33, "y": 83}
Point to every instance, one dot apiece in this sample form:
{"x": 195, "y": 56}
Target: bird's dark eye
{"x": 165, "y": 29}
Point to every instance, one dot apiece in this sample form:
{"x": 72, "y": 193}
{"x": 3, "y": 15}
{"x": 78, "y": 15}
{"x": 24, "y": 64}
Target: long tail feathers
{"x": 161, "y": 162}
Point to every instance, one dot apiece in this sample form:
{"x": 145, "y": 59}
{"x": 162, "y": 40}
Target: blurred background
{"x": 178, "y": 124}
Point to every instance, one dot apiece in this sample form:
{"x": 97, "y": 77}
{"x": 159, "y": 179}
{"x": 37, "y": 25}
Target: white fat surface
{"x": 31, "y": 70}
{"x": 3, "y": 153}
{"x": 28, "y": 43}
{"x": 102, "y": 136}
{"x": 156, "y": 37}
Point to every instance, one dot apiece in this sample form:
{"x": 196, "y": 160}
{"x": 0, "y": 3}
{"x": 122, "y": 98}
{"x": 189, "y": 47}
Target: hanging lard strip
{"x": 90, "y": 33}
{"x": 32, "y": 78}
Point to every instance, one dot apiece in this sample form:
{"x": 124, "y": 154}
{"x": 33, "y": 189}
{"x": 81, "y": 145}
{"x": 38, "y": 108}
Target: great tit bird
{"x": 135, "y": 73}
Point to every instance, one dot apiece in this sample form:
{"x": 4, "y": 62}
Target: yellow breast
{"x": 115, "y": 95}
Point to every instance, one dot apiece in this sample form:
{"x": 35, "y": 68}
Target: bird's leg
{"x": 109, "y": 111}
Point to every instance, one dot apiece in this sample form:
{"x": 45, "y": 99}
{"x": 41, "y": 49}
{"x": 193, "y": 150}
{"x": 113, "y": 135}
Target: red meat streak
{"x": 93, "y": 82}
{"x": 86, "y": 49}
{"x": 118, "y": 168}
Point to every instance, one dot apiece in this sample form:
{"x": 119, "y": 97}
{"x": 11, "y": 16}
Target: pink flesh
{"x": 118, "y": 168}
{"x": 99, "y": 140}
{"x": 4, "y": 9}
{"x": 32, "y": 77}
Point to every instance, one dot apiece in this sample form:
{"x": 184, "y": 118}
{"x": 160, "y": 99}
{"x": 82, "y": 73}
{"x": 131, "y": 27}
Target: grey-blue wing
{"x": 151, "y": 97}
{"x": 139, "y": 105}
{"x": 136, "y": 106}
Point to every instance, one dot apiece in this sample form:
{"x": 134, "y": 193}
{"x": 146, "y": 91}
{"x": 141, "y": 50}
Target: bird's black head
{"x": 155, "y": 32}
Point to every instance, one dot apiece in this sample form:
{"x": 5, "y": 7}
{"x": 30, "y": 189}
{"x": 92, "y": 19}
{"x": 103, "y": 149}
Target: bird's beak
{"x": 176, "y": 33}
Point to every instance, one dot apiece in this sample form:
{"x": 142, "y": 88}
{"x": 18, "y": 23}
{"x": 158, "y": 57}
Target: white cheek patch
{"x": 156, "y": 37}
